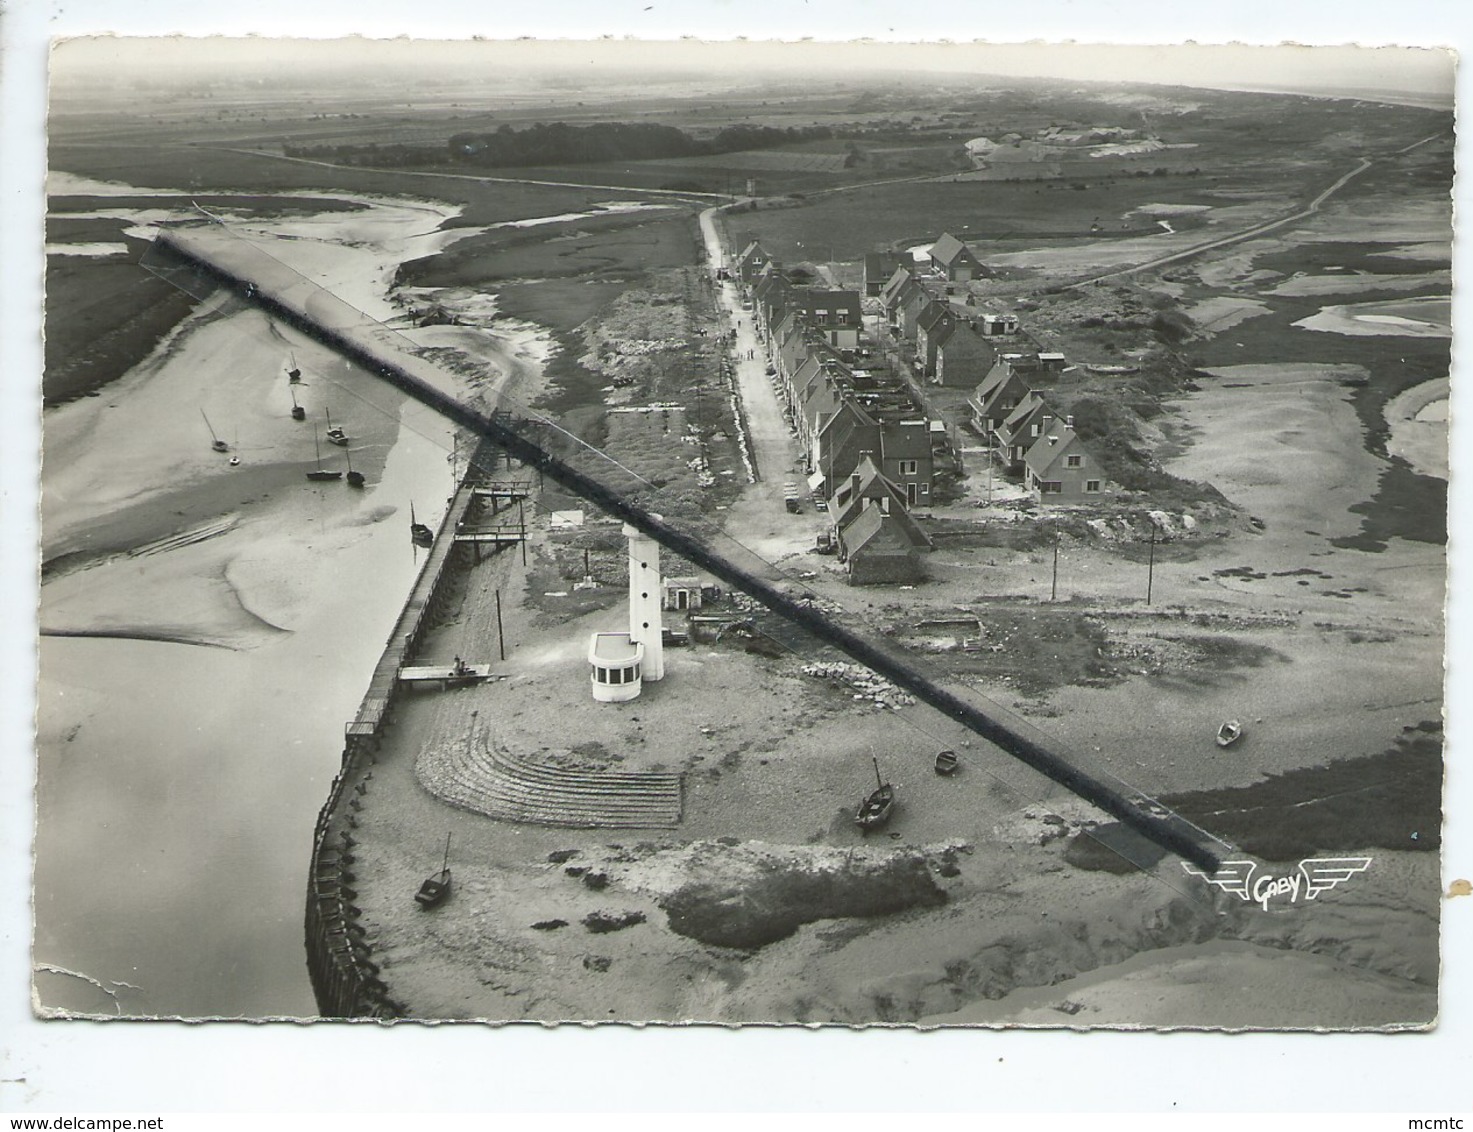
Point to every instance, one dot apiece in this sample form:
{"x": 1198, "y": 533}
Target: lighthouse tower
{"x": 620, "y": 663}
{"x": 646, "y": 625}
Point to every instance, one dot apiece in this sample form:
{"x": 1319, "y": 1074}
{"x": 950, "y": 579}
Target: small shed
{"x": 682, "y": 593}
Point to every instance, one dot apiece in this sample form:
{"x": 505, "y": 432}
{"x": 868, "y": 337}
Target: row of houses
{"x": 955, "y": 342}
{"x": 1029, "y": 438}
{"x": 868, "y": 448}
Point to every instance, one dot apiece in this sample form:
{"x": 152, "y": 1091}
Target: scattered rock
{"x": 600, "y": 922}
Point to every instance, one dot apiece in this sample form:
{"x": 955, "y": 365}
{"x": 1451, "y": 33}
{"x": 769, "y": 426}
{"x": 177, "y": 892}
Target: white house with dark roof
{"x": 1060, "y": 468}
{"x": 955, "y": 260}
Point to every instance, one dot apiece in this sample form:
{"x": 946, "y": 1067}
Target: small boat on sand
{"x": 321, "y": 473}
{"x": 946, "y": 762}
{"x": 293, "y": 374}
{"x": 355, "y": 479}
{"x": 335, "y": 435}
{"x": 298, "y": 413}
{"x": 215, "y": 442}
{"x": 436, "y": 888}
{"x": 875, "y": 810}
{"x": 419, "y": 534}
{"x": 1229, "y": 733}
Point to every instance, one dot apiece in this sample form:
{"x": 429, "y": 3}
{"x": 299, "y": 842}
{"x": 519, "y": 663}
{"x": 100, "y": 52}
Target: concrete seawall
{"x": 345, "y": 977}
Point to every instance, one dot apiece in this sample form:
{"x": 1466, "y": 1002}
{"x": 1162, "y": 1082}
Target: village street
{"x": 759, "y": 520}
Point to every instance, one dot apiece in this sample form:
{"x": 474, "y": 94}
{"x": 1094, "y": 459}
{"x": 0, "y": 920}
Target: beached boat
{"x": 947, "y": 762}
{"x": 215, "y": 442}
{"x": 321, "y": 473}
{"x": 436, "y": 888}
{"x": 335, "y": 435}
{"x": 298, "y": 413}
{"x": 419, "y": 534}
{"x": 1229, "y": 733}
{"x": 293, "y": 374}
{"x": 355, "y": 479}
{"x": 875, "y": 810}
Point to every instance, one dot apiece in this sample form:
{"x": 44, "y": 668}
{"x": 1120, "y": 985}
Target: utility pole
{"x": 500, "y": 637}
{"x": 522, "y": 522}
{"x": 1151, "y": 563}
{"x": 1054, "y": 591}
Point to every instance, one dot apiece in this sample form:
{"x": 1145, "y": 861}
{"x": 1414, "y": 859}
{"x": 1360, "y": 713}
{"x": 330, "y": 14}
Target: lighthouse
{"x": 646, "y": 624}
{"x": 619, "y": 663}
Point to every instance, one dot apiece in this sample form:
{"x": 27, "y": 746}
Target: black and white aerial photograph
{"x": 800, "y": 534}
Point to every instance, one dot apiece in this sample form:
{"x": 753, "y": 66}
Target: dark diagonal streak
{"x": 1176, "y": 836}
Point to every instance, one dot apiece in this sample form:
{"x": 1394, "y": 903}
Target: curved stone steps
{"x": 503, "y": 786}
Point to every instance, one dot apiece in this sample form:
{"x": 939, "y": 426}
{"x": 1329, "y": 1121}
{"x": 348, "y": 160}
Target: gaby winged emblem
{"x": 1316, "y": 875}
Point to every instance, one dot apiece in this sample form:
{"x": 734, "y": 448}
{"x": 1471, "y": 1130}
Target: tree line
{"x": 558, "y": 143}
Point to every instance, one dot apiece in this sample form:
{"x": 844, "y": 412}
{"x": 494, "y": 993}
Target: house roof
{"x": 843, "y": 306}
{"x": 874, "y": 531}
{"x": 906, "y": 440}
{"x": 932, "y": 313}
{"x": 1018, "y": 419}
{"x": 948, "y": 249}
{"x": 966, "y": 338}
{"x": 1001, "y": 382}
{"x": 891, "y": 292}
{"x": 880, "y": 265}
{"x": 1051, "y": 447}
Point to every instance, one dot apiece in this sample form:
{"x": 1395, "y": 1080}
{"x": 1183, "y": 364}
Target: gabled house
{"x": 751, "y": 262}
{"x": 833, "y": 314}
{"x": 863, "y": 486}
{"x": 1025, "y": 424}
{"x": 1060, "y": 468}
{"x": 963, "y": 356}
{"x": 792, "y": 348}
{"x": 818, "y": 400}
{"x": 849, "y": 438}
{"x": 878, "y": 268}
{"x": 955, "y": 260}
{"x": 997, "y": 395}
{"x": 908, "y": 458}
{"x": 913, "y": 300}
{"x": 880, "y": 547}
{"x": 894, "y": 291}
{"x": 934, "y": 324}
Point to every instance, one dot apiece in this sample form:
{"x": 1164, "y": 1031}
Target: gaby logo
{"x": 1316, "y": 875}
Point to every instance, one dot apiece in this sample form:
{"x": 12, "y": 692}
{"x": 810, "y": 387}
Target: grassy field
{"x": 103, "y": 316}
{"x": 596, "y": 250}
{"x": 988, "y": 215}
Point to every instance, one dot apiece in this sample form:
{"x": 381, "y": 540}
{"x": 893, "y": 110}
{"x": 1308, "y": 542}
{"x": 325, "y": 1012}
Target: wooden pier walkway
{"x": 445, "y": 675}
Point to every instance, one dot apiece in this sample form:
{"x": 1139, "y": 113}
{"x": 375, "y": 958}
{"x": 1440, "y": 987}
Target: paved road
{"x": 760, "y": 519}
{"x": 1257, "y": 230}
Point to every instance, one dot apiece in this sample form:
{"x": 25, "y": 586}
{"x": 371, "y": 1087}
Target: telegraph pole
{"x": 1054, "y": 590}
{"x": 1151, "y": 563}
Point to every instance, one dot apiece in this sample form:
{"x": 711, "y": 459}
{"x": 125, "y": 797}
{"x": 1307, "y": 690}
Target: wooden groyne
{"x": 345, "y": 978}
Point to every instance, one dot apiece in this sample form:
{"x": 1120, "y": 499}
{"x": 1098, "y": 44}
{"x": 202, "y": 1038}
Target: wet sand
{"x": 164, "y": 801}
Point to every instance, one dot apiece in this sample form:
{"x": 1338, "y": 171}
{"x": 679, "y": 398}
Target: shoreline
{"x": 329, "y": 566}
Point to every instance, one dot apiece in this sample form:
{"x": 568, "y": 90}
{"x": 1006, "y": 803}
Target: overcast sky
{"x": 1339, "y": 69}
